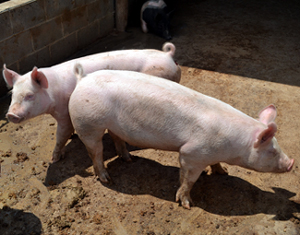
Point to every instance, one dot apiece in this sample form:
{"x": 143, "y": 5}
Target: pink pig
{"x": 47, "y": 90}
{"x": 151, "y": 112}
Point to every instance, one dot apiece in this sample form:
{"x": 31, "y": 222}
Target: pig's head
{"x": 29, "y": 94}
{"x": 162, "y": 25}
{"x": 266, "y": 155}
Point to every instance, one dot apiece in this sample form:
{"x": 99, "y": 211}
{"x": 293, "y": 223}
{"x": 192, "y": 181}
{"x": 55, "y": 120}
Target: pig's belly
{"x": 147, "y": 138}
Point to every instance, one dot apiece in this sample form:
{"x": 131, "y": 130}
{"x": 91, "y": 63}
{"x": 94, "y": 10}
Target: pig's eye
{"x": 29, "y": 97}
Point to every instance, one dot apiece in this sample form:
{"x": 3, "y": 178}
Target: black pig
{"x": 155, "y": 18}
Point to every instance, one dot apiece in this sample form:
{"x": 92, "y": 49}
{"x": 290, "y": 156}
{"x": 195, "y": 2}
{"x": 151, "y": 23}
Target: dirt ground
{"x": 245, "y": 53}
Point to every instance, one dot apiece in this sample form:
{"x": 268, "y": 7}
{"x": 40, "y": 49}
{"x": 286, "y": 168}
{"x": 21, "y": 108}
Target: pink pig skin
{"x": 47, "y": 90}
{"x": 151, "y": 112}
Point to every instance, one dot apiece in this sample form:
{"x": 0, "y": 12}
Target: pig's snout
{"x": 14, "y": 118}
{"x": 285, "y": 165}
{"x": 289, "y": 168}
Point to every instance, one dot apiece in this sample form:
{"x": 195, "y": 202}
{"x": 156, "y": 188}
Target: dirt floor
{"x": 245, "y": 53}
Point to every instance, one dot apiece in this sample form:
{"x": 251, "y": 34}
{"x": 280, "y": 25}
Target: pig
{"x": 47, "y": 90}
{"x": 155, "y": 18}
{"x": 150, "y": 112}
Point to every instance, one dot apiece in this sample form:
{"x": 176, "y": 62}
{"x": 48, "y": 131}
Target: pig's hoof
{"x": 56, "y": 158}
{"x": 185, "y": 203}
{"x": 104, "y": 177}
{"x": 57, "y": 155}
{"x": 184, "y": 199}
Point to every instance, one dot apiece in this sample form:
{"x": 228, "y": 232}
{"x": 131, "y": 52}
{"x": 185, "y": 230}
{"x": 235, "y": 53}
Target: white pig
{"x": 47, "y": 90}
{"x": 151, "y": 112}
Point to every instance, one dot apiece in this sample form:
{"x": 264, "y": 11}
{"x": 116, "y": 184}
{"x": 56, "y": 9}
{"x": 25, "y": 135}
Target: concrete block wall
{"x": 45, "y": 32}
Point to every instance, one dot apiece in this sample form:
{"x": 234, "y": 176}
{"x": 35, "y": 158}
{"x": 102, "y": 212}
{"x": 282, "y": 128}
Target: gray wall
{"x": 44, "y": 32}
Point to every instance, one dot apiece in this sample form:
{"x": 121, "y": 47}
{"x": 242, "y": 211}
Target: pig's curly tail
{"x": 170, "y": 48}
{"x": 78, "y": 71}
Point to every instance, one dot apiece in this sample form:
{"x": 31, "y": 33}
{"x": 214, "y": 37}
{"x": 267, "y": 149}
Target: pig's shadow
{"x": 218, "y": 194}
{"x": 13, "y": 221}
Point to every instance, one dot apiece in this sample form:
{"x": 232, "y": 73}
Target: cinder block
{"x": 106, "y": 24}
{"x": 46, "y": 33}
{"x": 63, "y": 48}
{"x": 88, "y": 34}
{"x": 55, "y": 8}
{"x": 39, "y": 58}
{"x": 27, "y": 16}
{"x": 107, "y": 6}
{"x": 11, "y": 4}
{"x": 89, "y": 1}
{"x": 6, "y": 27}
{"x": 80, "y": 3}
{"x": 95, "y": 11}
{"x": 16, "y": 47}
{"x": 74, "y": 20}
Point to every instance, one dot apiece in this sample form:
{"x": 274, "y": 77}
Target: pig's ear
{"x": 266, "y": 135}
{"x": 39, "y": 78}
{"x": 268, "y": 114}
{"x": 9, "y": 76}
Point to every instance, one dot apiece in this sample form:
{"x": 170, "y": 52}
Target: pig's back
{"x": 132, "y": 60}
{"x": 149, "y": 61}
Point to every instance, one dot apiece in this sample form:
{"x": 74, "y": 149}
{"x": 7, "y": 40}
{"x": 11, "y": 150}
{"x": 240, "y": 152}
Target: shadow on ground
{"x": 218, "y": 194}
{"x": 18, "y": 222}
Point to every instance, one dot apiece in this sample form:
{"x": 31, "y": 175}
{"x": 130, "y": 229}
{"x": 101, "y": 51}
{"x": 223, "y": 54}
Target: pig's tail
{"x": 170, "y": 48}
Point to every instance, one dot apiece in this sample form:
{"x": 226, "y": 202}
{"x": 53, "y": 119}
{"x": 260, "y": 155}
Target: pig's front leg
{"x": 189, "y": 173}
{"x": 63, "y": 133}
{"x": 120, "y": 147}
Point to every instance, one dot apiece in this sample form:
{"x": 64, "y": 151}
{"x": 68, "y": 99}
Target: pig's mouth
{"x": 14, "y": 118}
{"x": 289, "y": 168}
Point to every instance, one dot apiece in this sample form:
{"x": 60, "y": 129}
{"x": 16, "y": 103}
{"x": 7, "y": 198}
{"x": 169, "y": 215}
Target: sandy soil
{"x": 253, "y": 69}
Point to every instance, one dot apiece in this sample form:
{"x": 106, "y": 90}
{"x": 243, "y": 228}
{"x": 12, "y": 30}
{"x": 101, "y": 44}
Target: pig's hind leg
{"x": 120, "y": 147}
{"x": 94, "y": 146}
